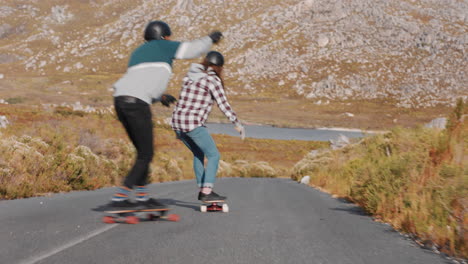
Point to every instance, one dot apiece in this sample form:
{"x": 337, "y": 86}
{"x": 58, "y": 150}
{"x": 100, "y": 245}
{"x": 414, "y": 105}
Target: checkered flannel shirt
{"x": 196, "y": 101}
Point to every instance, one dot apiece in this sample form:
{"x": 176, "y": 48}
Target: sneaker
{"x": 122, "y": 205}
{"x": 152, "y": 203}
{"x": 211, "y": 197}
{"x": 199, "y": 196}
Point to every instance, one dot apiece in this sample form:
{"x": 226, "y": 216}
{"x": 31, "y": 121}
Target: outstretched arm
{"x": 194, "y": 49}
{"x": 217, "y": 90}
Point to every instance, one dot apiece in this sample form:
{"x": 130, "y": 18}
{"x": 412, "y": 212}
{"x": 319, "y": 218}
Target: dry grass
{"x": 415, "y": 179}
{"x": 63, "y": 150}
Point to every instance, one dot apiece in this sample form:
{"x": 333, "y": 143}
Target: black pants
{"x": 135, "y": 115}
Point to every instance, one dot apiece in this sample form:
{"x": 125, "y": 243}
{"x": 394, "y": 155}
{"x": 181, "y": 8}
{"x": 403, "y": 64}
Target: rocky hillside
{"x": 411, "y": 52}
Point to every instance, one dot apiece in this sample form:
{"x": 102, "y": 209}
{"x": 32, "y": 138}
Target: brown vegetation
{"x": 62, "y": 150}
{"x": 414, "y": 179}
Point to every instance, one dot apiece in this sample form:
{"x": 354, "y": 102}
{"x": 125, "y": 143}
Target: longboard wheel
{"x": 173, "y": 217}
{"x": 225, "y": 208}
{"x": 108, "y": 220}
{"x": 132, "y": 220}
{"x": 203, "y": 208}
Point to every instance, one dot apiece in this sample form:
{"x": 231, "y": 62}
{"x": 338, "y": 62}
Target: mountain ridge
{"x": 411, "y": 52}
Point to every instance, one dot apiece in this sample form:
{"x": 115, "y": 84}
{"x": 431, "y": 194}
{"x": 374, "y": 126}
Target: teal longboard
{"x": 214, "y": 206}
{"x": 133, "y": 216}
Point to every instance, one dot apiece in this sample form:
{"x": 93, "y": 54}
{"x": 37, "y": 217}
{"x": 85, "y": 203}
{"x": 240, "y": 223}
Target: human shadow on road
{"x": 178, "y": 203}
{"x": 355, "y": 210}
{"x": 169, "y": 202}
{"x": 100, "y": 208}
{"x": 348, "y": 206}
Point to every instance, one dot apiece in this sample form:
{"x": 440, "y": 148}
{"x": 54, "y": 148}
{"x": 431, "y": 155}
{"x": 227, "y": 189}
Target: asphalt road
{"x": 270, "y": 221}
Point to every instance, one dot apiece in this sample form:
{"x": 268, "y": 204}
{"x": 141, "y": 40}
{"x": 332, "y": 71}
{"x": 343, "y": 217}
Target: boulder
{"x": 305, "y": 180}
{"x": 340, "y": 142}
{"x": 5, "y": 30}
{"x": 322, "y": 41}
{"x": 3, "y": 122}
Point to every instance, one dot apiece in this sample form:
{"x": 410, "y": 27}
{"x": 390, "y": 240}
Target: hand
{"x": 167, "y": 99}
{"x": 241, "y": 131}
{"x": 216, "y": 36}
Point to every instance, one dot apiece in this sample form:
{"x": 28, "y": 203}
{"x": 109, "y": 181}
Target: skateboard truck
{"x": 214, "y": 206}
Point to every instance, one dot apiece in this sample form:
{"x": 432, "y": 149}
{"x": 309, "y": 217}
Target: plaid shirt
{"x": 196, "y": 101}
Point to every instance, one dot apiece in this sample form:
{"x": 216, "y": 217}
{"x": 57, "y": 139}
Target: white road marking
{"x": 65, "y": 246}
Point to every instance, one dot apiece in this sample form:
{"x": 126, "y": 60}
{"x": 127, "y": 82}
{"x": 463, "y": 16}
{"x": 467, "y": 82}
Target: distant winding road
{"x": 284, "y": 133}
{"x": 271, "y": 221}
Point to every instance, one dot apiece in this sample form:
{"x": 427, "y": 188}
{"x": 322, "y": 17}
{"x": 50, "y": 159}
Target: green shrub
{"x": 15, "y": 100}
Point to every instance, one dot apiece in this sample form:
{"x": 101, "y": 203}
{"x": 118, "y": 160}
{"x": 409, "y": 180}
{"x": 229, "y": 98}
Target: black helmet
{"x": 214, "y": 58}
{"x": 157, "y": 30}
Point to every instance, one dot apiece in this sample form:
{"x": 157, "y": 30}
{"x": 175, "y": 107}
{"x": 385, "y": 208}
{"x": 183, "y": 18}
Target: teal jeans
{"x": 202, "y": 145}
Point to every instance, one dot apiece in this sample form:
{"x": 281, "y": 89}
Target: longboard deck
{"x": 136, "y": 210}
{"x": 130, "y": 216}
{"x": 214, "y": 201}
